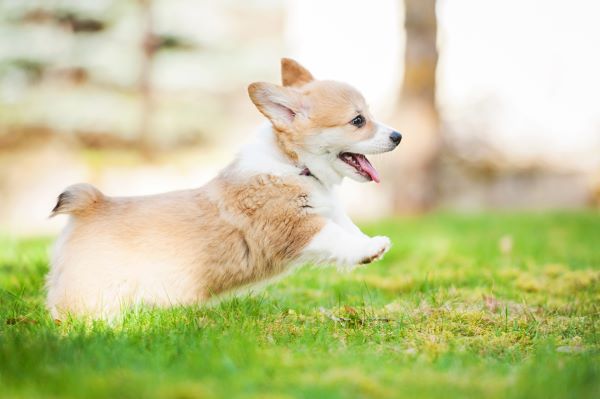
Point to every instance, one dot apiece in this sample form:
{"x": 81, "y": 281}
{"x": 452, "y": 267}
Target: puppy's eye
{"x": 358, "y": 121}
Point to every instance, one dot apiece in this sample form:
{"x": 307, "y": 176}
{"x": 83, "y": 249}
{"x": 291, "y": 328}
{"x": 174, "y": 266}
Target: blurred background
{"x": 498, "y": 100}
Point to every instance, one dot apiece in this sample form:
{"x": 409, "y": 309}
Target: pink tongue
{"x": 366, "y": 166}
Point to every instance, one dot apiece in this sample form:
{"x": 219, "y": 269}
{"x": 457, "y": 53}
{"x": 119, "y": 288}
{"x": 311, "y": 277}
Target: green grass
{"x": 488, "y": 306}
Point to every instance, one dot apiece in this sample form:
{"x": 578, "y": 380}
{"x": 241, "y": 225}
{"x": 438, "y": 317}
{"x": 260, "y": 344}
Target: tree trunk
{"x": 418, "y": 116}
{"x": 421, "y": 51}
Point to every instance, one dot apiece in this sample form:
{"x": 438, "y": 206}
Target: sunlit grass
{"x": 489, "y": 306}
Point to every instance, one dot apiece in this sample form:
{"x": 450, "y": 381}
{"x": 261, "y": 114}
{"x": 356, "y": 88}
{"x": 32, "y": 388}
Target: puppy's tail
{"x": 78, "y": 199}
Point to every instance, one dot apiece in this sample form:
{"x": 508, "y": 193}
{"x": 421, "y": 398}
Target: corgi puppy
{"x": 272, "y": 209}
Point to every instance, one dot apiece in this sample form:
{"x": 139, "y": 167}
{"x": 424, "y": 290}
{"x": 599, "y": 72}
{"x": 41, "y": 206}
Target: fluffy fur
{"x": 272, "y": 209}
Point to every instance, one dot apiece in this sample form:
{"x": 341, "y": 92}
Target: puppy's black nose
{"x": 396, "y": 137}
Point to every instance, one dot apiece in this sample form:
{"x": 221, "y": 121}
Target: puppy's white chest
{"x": 324, "y": 202}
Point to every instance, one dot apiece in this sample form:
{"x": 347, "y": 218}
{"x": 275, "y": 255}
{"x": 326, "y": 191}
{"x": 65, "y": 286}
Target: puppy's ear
{"x": 281, "y": 105}
{"x": 294, "y": 74}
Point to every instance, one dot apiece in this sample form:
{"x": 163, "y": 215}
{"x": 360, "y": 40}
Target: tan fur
{"x": 333, "y": 104}
{"x": 327, "y": 104}
{"x": 259, "y": 218}
{"x": 78, "y": 199}
{"x": 294, "y": 74}
{"x": 273, "y": 216}
{"x": 248, "y": 235}
{"x": 285, "y": 145}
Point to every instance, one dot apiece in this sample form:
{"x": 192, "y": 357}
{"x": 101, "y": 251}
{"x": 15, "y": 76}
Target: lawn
{"x": 481, "y": 306}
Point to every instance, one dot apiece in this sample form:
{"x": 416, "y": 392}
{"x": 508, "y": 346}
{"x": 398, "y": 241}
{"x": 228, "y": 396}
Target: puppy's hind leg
{"x": 336, "y": 245}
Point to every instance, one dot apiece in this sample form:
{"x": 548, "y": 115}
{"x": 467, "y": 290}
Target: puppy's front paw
{"x": 378, "y": 246}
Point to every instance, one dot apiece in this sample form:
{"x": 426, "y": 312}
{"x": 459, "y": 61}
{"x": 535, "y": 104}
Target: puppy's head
{"x": 325, "y": 124}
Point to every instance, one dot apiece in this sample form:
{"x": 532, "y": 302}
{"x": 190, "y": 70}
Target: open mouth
{"x": 361, "y": 164}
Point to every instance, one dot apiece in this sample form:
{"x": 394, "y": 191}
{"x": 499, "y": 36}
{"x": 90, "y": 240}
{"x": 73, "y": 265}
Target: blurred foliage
{"x": 123, "y": 68}
{"x": 71, "y": 20}
{"x": 34, "y": 69}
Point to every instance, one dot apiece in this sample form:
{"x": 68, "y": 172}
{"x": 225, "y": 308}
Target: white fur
{"x": 345, "y": 249}
{"x": 102, "y": 275}
{"x": 323, "y": 159}
{"x": 244, "y": 227}
{"x": 262, "y": 156}
{"x": 340, "y": 242}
